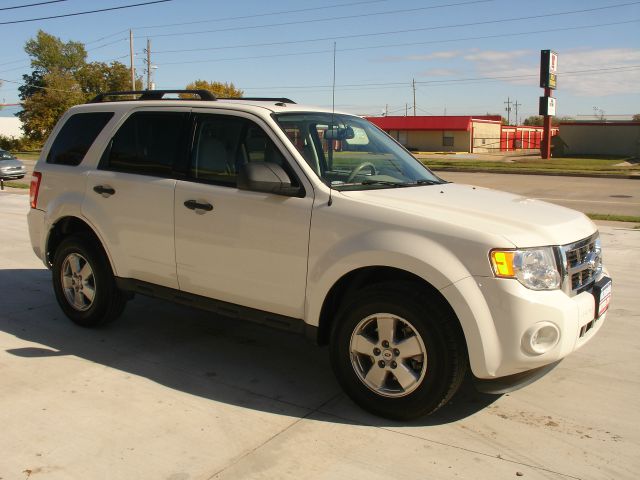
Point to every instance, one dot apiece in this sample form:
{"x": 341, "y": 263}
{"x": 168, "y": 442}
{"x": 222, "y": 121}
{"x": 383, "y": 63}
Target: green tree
{"x": 61, "y": 78}
{"x": 219, "y": 89}
{"x": 99, "y": 77}
{"x": 534, "y": 121}
{"x": 42, "y": 110}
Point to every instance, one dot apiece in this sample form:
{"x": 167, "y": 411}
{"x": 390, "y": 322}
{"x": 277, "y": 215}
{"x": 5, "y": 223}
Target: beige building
{"x": 600, "y": 138}
{"x": 443, "y": 133}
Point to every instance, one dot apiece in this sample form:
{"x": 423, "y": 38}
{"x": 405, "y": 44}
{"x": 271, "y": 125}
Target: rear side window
{"x": 76, "y": 137}
{"x": 148, "y": 143}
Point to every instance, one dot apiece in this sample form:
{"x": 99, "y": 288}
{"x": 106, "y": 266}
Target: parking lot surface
{"x": 171, "y": 393}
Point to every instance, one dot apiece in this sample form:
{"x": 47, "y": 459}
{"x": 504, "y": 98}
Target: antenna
{"x": 333, "y": 112}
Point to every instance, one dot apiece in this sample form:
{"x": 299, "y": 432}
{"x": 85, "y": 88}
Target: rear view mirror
{"x": 339, "y": 133}
{"x": 266, "y": 177}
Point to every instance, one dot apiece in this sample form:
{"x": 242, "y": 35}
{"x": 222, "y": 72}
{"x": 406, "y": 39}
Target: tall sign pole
{"x": 548, "y": 81}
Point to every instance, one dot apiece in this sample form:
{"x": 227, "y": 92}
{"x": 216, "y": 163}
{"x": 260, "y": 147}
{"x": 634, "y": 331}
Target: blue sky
{"x": 467, "y": 57}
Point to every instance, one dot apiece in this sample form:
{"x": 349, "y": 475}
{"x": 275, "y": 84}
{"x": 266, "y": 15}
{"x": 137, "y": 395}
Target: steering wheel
{"x": 359, "y": 168}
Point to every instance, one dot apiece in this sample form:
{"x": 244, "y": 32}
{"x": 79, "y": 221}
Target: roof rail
{"x": 152, "y": 95}
{"x": 261, "y": 99}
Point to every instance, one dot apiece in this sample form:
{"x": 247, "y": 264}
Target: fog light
{"x": 540, "y": 338}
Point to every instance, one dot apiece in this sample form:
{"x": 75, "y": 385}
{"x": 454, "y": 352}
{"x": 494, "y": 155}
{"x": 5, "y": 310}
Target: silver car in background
{"x": 10, "y": 166}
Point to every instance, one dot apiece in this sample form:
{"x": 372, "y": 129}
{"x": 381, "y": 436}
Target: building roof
{"x": 432, "y": 122}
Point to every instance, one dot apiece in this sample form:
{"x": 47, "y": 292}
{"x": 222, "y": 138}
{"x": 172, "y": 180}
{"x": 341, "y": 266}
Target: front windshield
{"x": 4, "y": 155}
{"x": 350, "y": 153}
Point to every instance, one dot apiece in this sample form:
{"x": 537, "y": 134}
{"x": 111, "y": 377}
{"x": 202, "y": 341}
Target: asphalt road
{"x": 587, "y": 194}
{"x": 167, "y": 392}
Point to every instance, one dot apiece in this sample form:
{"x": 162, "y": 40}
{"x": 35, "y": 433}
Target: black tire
{"x": 416, "y": 314}
{"x": 107, "y": 302}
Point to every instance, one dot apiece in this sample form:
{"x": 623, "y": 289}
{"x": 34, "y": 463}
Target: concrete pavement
{"x": 168, "y": 392}
{"x": 586, "y": 194}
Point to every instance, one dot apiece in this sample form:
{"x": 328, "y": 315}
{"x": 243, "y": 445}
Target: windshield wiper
{"x": 386, "y": 182}
{"x": 423, "y": 181}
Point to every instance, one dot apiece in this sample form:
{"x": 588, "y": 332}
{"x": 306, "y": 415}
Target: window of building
{"x": 447, "y": 139}
{"x": 76, "y": 137}
{"x": 148, "y": 143}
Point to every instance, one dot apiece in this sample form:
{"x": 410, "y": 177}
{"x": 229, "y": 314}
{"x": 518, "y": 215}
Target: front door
{"x": 242, "y": 247}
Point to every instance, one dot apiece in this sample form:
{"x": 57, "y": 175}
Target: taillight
{"x": 34, "y": 188}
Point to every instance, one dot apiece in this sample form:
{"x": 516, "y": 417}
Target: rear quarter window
{"x": 76, "y": 137}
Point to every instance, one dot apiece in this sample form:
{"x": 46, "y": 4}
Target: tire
{"x": 84, "y": 284}
{"x": 425, "y": 358}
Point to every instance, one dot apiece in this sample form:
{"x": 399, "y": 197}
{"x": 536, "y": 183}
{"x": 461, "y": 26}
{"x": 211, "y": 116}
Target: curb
{"x": 520, "y": 172}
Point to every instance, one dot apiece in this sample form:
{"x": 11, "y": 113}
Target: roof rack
{"x": 261, "y": 99}
{"x": 153, "y": 95}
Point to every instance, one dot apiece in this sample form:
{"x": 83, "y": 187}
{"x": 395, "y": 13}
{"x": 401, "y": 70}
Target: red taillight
{"x": 34, "y": 188}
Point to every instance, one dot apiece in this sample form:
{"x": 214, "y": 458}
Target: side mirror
{"x": 266, "y": 177}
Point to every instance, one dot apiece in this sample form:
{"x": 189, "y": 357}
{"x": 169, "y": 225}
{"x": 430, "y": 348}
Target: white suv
{"x": 314, "y": 221}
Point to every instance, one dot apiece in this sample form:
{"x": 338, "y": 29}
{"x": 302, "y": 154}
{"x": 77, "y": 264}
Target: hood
{"x": 524, "y": 222}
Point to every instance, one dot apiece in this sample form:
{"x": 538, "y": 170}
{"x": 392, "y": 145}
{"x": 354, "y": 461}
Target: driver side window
{"x": 223, "y": 144}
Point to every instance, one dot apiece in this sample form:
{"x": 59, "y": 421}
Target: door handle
{"x": 195, "y": 205}
{"x": 104, "y": 191}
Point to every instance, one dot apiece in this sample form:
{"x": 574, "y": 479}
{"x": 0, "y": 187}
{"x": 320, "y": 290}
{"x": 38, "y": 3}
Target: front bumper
{"x": 498, "y": 317}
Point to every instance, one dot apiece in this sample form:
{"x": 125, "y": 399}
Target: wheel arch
{"x": 356, "y": 279}
{"x": 71, "y": 225}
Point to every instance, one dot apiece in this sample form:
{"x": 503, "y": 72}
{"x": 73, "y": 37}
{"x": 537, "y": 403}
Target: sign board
{"x": 547, "y": 106}
{"x": 548, "y": 69}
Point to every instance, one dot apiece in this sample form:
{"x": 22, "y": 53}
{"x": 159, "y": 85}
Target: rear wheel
{"x": 84, "y": 283}
{"x": 398, "y": 353}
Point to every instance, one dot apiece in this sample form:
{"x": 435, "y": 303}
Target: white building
{"x": 10, "y": 127}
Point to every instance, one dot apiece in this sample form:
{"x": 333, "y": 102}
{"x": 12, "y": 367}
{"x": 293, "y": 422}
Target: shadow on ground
{"x": 196, "y": 352}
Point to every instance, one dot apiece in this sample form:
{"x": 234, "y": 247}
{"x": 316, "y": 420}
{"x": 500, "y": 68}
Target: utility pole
{"x": 508, "y": 110}
{"x": 386, "y": 110}
{"x": 406, "y": 109}
{"x": 133, "y": 68}
{"x": 148, "y": 64}
{"x": 414, "y": 97}
{"x": 516, "y": 105}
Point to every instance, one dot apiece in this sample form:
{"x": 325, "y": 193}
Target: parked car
{"x": 314, "y": 221}
{"x": 10, "y": 167}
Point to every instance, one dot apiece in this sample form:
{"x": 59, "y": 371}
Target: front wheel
{"x": 84, "y": 283}
{"x": 397, "y": 353}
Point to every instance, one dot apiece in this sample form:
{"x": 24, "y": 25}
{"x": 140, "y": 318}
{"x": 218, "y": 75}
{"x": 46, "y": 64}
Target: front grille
{"x": 582, "y": 264}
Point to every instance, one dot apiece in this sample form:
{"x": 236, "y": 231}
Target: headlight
{"x": 535, "y": 268}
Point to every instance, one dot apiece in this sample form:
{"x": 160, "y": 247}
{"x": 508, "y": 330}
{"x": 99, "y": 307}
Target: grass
{"x": 614, "y": 218}
{"x": 33, "y": 155}
{"x": 13, "y": 184}
{"x": 579, "y": 165}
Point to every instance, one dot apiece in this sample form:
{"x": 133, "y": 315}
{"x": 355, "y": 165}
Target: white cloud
{"x": 496, "y": 55}
{"x": 571, "y": 78}
{"x": 440, "y": 72}
{"x": 443, "y": 55}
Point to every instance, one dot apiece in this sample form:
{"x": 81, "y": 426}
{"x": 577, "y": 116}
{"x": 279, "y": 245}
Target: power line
{"x": 85, "y": 12}
{"x": 265, "y": 14}
{"x": 395, "y": 32}
{"x": 595, "y": 71}
{"x": 392, "y": 45}
{"x": 242, "y": 17}
{"x": 326, "y": 19}
{"x": 32, "y": 4}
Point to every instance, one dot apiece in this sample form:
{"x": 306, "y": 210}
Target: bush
{"x": 22, "y": 144}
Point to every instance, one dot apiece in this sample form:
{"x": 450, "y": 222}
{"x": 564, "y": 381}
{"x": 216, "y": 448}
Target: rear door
{"x": 130, "y": 197}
